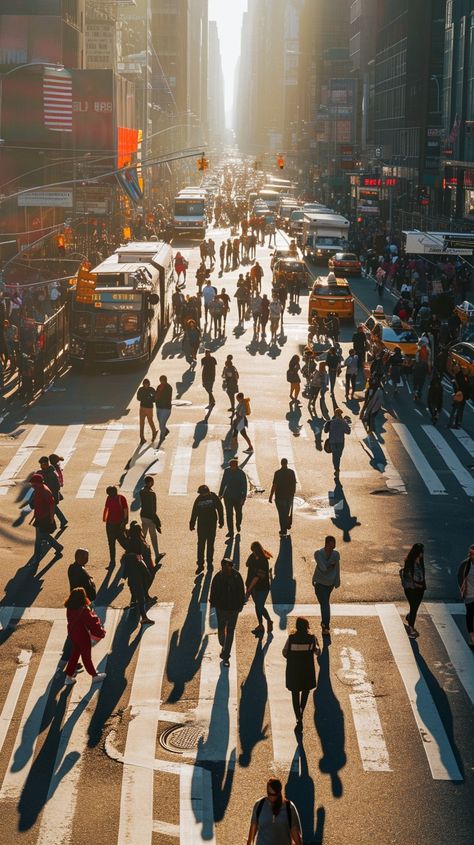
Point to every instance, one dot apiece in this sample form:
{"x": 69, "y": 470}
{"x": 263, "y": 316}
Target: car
{"x": 385, "y": 333}
{"x": 330, "y": 295}
{"x": 345, "y": 263}
{"x": 288, "y": 269}
{"x": 461, "y": 355}
{"x": 279, "y": 253}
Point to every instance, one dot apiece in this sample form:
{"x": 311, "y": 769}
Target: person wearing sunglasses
{"x": 275, "y": 819}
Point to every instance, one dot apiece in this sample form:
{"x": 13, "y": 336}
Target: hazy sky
{"x": 228, "y": 14}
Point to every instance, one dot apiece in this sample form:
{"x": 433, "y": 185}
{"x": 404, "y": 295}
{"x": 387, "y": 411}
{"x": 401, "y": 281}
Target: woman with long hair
{"x": 414, "y": 584}
{"x": 293, "y": 377}
{"x": 274, "y": 819}
{"x": 82, "y": 624}
{"x": 299, "y": 651}
{"x": 258, "y": 585}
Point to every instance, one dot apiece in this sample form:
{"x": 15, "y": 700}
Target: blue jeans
{"x": 323, "y": 595}
{"x": 260, "y": 597}
{"x": 58, "y": 512}
{"x": 43, "y": 537}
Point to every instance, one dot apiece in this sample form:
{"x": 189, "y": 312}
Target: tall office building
{"x": 215, "y": 90}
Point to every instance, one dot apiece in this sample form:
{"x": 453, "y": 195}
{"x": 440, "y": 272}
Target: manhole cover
{"x": 181, "y": 738}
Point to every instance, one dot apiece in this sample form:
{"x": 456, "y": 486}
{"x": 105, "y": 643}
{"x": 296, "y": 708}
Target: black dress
{"x": 299, "y": 651}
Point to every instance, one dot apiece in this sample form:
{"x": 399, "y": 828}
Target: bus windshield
{"x": 189, "y": 207}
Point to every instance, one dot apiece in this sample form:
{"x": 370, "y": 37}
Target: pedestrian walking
{"x": 191, "y": 341}
{"x": 208, "y": 371}
{"x": 163, "y": 402}
{"x": 256, "y": 310}
{"x": 207, "y": 512}
{"x": 151, "y": 523}
{"x": 208, "y": 296}
{"x": 180, "y": 266}
{"x": 414, "y": 585}
{"x": 466, "y": 587}
{"x": 79, "y": 577}
{"x": 222, "y": 256}
{"x": 275, "y": 819}
{"x": 243, "y": 298}
{"x": 264, "y": 314}
{"x": 230, "y": 381}
{"x": 300, "y": 676}
{"x": 337, "y": 428}
{"x": 115, "y": 517}
{"x": 233, "y": 489}
{"x": 283, "y": 489}
{"x": 52, "y": 480}
{"x": 275, "y": 312}
{"x": 83, "y": 626}
{"x": 294, "y": 379}
{"x": 139, "y": 571}
{"x": 146, "y": 397}
{"x": 421, "y": 367}
{"x": 242, "y": 410}
{"x": 359, "y": 343}
{"x": 352, "y": 366}
{"x": 227, "y": 596}
{"x": 326, "y": 578}
{"x": 435, "y": 397}
{"x": 372, "y": 408}
{"x": 257, "y": 585}
{"x": 333, "y": 363}
{"x": 44, "y": 506}
{"x": 225, "y": 299}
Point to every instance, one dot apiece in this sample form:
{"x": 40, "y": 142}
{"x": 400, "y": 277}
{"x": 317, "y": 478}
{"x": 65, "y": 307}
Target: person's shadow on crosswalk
{"x": 329, "y": 724}
{"x": 283, "y": 585}
{"x": 187, "y": 645}
{"x": 253, "y": 699}
{"x": 299, "y": 788}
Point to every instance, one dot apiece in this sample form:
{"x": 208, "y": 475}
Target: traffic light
{"x": 281, "y": 162}
{"x": 202, "y": 163}
{"x": 61, "y": 244}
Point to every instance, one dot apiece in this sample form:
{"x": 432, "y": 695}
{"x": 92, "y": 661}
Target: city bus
{"x": 270, "y": 198}
{"x": 128, "y": 311}
{"x": 416, "y": 242}
{"x": 190, "y": 212}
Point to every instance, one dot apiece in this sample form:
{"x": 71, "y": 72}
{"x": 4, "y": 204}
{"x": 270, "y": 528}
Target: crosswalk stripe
{"x": 461, "y": 474}
{"x": 91, "y": 479}
{"x": 464, "y": 439}
{"x": 67, "y": 444}
{"x": 136, "y": 800}
{"x": 370, "y": 738}
{"x": 392, "y": 477}
{"x": 284, "y": 446}
{"x": 456, "y": 646}
{"x": 182, "y": 461}
{"x": 196, "y": 816}
{"x": 428, "y": 476}
{"x": 141, "y": 463}
{"x": 58, "y": 814}
{"x": 21, "y": 457}
{"x": 13, "y": 695}
{"x": 29, "y": 727}
{"x": 213, "y": 464}
{"x": 435, "y": 742}
{"x": 281, "y": 709}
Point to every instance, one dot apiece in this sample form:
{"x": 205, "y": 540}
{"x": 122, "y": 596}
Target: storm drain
{"x": 181, "y": 738}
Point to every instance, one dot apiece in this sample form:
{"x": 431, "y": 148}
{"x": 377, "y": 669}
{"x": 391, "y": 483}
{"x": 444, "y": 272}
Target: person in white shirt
{"x": 208, "y": 294}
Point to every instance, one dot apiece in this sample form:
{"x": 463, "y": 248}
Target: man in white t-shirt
{"x": 208, "y": 294}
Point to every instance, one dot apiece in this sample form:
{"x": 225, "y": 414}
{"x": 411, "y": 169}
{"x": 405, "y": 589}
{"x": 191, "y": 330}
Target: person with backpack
{"x": 466, "y": 587}
{"x": 275, "y": 819}
{"x": 299, "y": 651}
{"x": 230, "y": 381}
{"x": 414, "y": 585}
{"x": 242, "y": 411}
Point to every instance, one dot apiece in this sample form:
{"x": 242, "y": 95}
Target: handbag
{"x": 157, "y": 522}
{"x": 327, "y": 446}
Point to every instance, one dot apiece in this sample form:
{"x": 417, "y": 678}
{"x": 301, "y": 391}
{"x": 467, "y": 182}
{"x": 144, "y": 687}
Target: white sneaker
{"x": 69, "y": 681}
{"x": 99, "y": 677}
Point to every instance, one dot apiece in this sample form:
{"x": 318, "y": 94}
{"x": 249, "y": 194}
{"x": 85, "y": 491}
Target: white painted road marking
{"x": 67, "y": 445}
{"x": 456, "y": 646}
{"x": 370, "y": 738}
{"x": 91, "y": 480}
{"x": 284, "y": 446}
{"x": 21, "y": 457}
{"x": 461, "y": 474}
{"x": 279, "y": 699}
{"x": 182, "y": 461}
{"x": 11, "y": 700}
{"x": 213, "y": 465}
{"x": 435, "y": 742}
{"x": 428, "y": 476}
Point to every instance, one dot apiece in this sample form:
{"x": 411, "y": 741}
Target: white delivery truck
{"x": 324, "y": 234}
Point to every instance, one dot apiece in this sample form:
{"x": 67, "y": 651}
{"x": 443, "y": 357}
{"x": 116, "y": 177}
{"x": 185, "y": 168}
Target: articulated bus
{"x": 190, "y": 212}
{"x": 128, "y": 311}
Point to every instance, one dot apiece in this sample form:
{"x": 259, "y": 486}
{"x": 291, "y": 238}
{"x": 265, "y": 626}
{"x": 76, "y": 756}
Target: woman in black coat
{"x": 137, "y": 571}
{"x": 299, "y": 651}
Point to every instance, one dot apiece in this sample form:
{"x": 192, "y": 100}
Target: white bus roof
{"x": 326, "y": 216}
{"x": 438, "y": 243}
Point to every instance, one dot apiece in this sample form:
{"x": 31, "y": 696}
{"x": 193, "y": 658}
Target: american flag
{"x": 57, "y": 100}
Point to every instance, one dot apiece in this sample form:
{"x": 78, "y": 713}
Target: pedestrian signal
{"x": 202, "y": 163}
{"x": 281, "y": 162}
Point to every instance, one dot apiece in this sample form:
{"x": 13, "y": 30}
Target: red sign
{"x": 378, "y": 182}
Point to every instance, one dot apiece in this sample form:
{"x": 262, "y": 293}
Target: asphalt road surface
{"x": 173, "y": 747}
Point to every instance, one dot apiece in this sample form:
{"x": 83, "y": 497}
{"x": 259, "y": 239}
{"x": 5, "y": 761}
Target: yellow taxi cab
{"x": 287, "y": 270}
{"x": 385, "y": 333}
{"x": 345, "y": 263}
{"x": 330, "y": 295}
{"x": 461, "y": 356}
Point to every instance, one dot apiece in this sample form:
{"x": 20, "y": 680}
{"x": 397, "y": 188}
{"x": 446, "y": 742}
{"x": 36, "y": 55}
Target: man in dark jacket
{"x": 79, "y": 577}
{"x": 227, "y": 596}
{"x": 207, "y": 510}
{"x": 146, "y": 397}
{"x": 233, "y": 490}
{"x": 283, "y": 488}
{"x": 51, "y": 479}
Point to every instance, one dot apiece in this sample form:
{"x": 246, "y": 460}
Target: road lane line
{"x": 456, "y": 646}
{"x": 67, "y": 445}
{"x": 279, "y": 699}
{"x": 213, "y": 465}
{"x": 451, "y": 460}
{"x": 464, "y": 439}
{"x": 428, "y": 476}
{"x": 29, "y": 728}
{"x": 21, "y": 457}
{"x": 58, "y": 814}
{"x": 435, "y": 742}
{"x": 284, "y": 446}
{"x": 90, "y": 481}
{"x": 136, "y": 801}
{"x": 370, "y": 738}
{"x": 182, "y": 461}
{"x": 218, "y": 700}
{"x": 196, "y": 816}
{"x": 13, "y": 695}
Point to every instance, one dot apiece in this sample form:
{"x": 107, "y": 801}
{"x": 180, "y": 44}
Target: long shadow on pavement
{"x": 187, "y": 645}
{"x": 283, "y": 587}
{"x": 329, "y": 723}
{"x": 253, "y": 699}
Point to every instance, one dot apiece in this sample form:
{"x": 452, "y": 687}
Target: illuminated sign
{"x": 378, "y": 182}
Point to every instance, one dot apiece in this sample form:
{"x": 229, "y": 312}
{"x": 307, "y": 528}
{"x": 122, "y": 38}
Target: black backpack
{"x": 288, "y": 810}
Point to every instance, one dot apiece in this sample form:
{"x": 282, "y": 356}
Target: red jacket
{"x": 81, "y": 623}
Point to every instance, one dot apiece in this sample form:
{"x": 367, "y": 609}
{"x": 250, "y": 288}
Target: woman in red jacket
{"x": 82, "y": 624}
